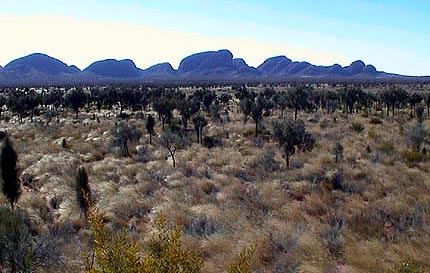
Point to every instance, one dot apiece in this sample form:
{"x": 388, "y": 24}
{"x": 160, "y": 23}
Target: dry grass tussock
{"x": 366, "y": 213}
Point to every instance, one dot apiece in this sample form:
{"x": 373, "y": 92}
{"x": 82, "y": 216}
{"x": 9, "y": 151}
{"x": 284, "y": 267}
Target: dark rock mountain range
{"x": 41, "y": 63}
{"x": 160, "y": 70}
{"x": 211, "y": 65}
{"x": 111, "y": 68}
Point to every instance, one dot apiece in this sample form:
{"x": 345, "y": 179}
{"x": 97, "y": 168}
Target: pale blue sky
{"x": 392, "y": 35}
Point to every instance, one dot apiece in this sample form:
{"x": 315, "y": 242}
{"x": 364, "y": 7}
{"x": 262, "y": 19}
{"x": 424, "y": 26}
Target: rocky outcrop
{"x": 112, "y": 68}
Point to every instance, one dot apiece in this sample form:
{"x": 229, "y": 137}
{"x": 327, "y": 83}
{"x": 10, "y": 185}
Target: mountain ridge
{"x": 39, "y": 68}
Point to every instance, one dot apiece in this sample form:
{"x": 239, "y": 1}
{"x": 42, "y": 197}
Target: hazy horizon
{"x": 392, "y": 35}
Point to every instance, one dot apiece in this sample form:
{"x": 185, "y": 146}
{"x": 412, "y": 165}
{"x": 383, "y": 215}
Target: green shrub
{"x": 372, "y": 134}
{"x": 116, "y": 252}
{"x": 410, "y": 267}
{"x": 413, "y": 156}
{"x": 357, "y": 126}
{"x": 243, "y": 263}
{"x": 385, "y": 147}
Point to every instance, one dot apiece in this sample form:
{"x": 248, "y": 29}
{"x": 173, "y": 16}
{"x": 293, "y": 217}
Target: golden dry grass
{"x": 225, "y": 200}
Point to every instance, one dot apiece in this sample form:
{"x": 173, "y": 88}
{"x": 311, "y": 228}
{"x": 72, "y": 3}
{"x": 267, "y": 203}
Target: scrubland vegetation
{"x": 242, "y": 178}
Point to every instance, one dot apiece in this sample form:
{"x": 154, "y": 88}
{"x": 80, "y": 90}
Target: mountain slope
{"x": 41, "y": 63}
{"x": 112, "y": 68}
{"x": 159, "y": 71}
{"x": 215, "y": 65}
{"x": 41, "y": 69}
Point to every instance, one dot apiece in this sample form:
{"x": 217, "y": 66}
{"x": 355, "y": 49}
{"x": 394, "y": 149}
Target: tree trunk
{"x": 172, "y": 154}
{"x": 126, "y": 153}
{"x": 256, "y": 128}
{"x": 150, "y": 138}
{"x": 287, "y": 160}
{"x": 197, "y": 134}
{"x": 295, "y": 113}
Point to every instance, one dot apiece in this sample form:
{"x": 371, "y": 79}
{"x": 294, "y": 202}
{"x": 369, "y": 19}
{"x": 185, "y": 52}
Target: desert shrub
{"x": 265, "y": 161}
{"x": 201, "y": 226}
{"x": 141, "y": 155}
{"x": 413, "y": 156}
{"x": 115, "y": 252}
{"x": 122, "y": 134}
{"x": 111, "y": 251}
{"x": 415, "y": 136}
{"x": 334, "y": 180}
{"x": 167, "y": 255}
{"x": 278, "y": 250}
{"x": 390, "y": 222}
{"x": 209, "y": 188}
{"x": 409, "y": 266}
{"x": 22, "y": 251}
{"x": 211, "y": 142}
{"x": 373, "y": 134}
{"x": 385, "y": 147}
{"x": 357, "y": 126}
{"x": 375, "y": 120}
{"x": 334, "y": 235}
{"x": 243, "y": 263}
{"x": 368, "y": 222}
{"x": 324, "y": 123}
{"x": 338, "y": 151}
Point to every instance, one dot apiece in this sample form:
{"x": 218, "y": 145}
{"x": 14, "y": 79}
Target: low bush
{"x": 413, "y": 156}
{"x": 375, "y": 120}
{"x": 357, "y": 126}
{"x": 22, "y": 250}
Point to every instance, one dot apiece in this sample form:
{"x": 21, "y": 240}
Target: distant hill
{"x": 163, "y": 70}
{"x": 41, "y": 69}
{"x": 37, "y": 68}
{"x": 111, "y": 68}
{"x": 215, "y": 65}
{"x": 281, "y": 66}
{"x": 41, "y": 63}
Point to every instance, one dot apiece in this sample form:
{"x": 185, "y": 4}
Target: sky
{"x": 392, "y": 35}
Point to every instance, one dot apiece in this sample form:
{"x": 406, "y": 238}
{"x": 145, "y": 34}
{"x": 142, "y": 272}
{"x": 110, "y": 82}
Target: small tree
{"x": 298, "y": 99}
{"x": 420, "y": 113}
{"x": 83, "y": 191}
{"x": 172, "y": 142}
{"x": 122, "y": 133}
{"x": 150, "y": 123}
{"x": 208, "y": 98}
{"x": 9, "y": 171}
{"x": 427, "y": 101}
{"x": 199, "y": 122}
{"x": 76, "y": 98}
{"x": 245, "y": 106}
{"x": 292, "y": 136}
{"x": 257, "y": 112}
